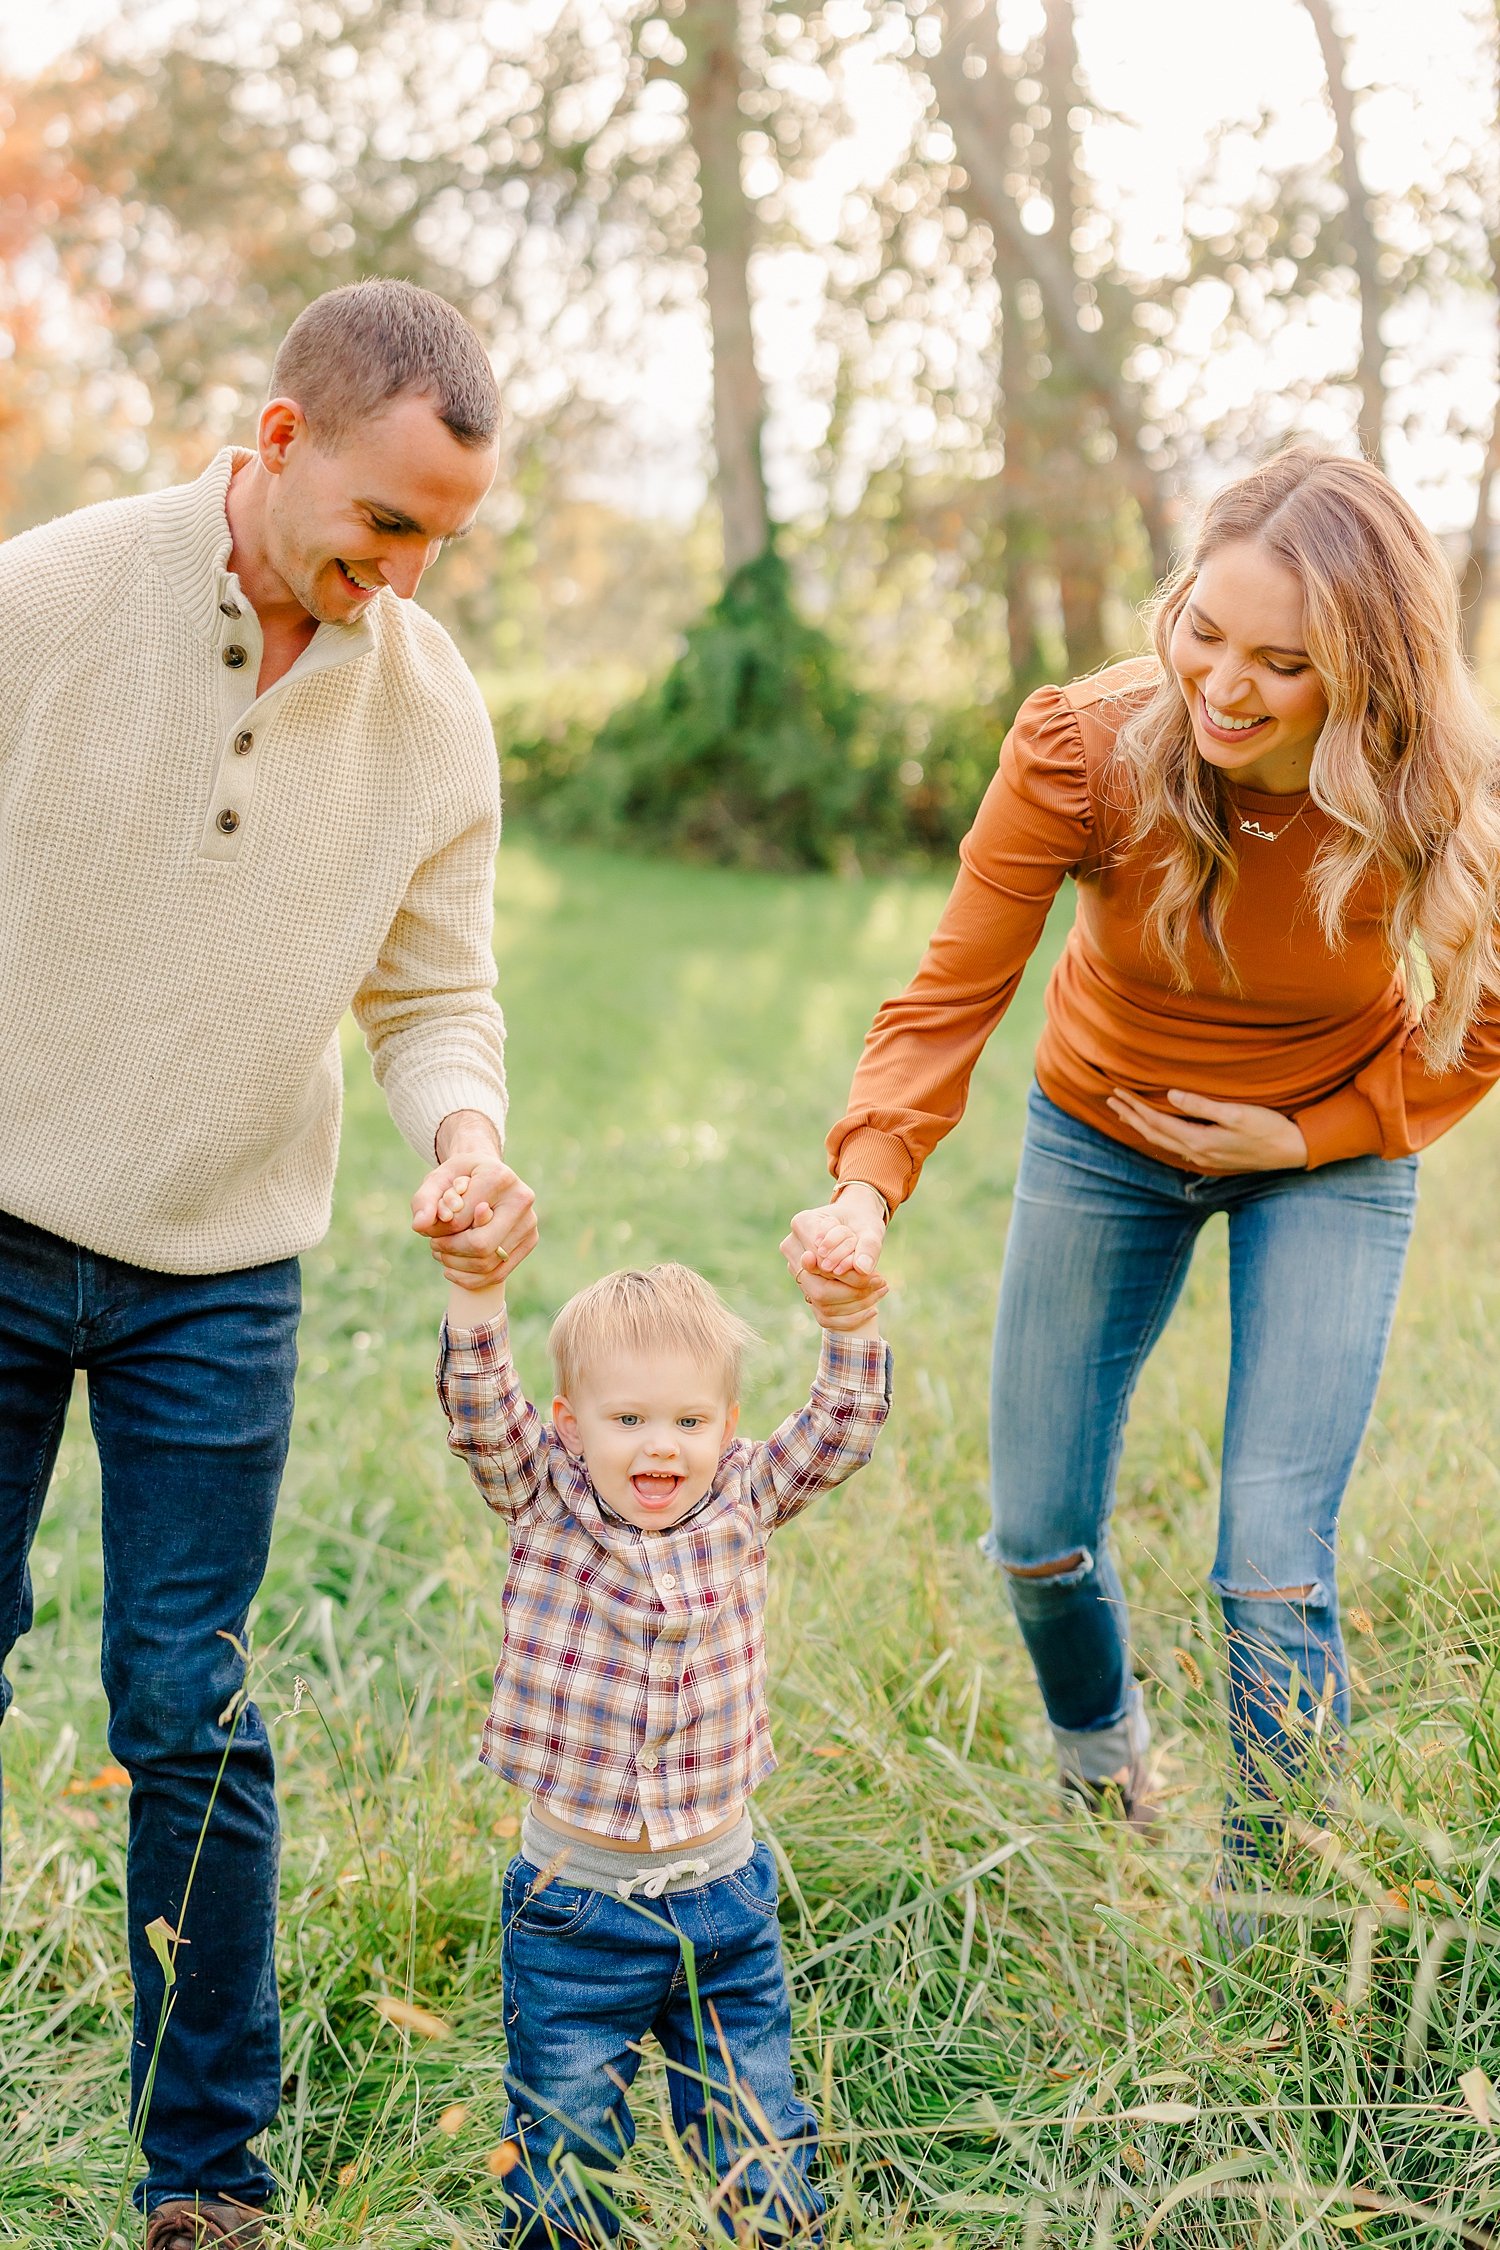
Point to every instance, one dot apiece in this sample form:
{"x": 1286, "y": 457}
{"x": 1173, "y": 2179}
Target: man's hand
{"x": 479, "y": 1217}
{"x": 1236, "y": 1137}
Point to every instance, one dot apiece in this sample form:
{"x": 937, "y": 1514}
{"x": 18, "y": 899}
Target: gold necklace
{"x": 1272, "y": 835}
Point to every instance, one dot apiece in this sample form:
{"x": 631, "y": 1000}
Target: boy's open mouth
{"x": 655, "y": 1491}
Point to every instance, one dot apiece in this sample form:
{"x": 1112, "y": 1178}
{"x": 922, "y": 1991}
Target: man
{"x": 245, "y": 784}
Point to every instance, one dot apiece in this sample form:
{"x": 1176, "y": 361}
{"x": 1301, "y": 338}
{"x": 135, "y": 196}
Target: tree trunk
{"x": 711, "y": 79}
{"x": 1019, "y": 528}
{"x": 1475, "y": 585}
{"x": 1084, "y": 519}
{"x": 1363, "y": 240}
{"x": 984, "y": 155}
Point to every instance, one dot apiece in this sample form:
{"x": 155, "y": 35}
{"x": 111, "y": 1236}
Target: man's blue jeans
{"x": 190, "y": 1397}
{"x": 1100, "y": 1240}
{"x": 586, "y": 1977}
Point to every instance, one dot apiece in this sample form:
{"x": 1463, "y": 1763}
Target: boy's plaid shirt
{"x": 632, "y": 1683}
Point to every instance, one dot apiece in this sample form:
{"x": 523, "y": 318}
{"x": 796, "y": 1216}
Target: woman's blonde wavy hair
{"x": 1407, "y": 765}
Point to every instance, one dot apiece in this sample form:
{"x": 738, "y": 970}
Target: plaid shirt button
{"x": 667, "y": 1582}
{"x": 648, "y": 1761}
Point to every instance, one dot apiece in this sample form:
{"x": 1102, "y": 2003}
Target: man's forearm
{"x": 466, "y": 1132}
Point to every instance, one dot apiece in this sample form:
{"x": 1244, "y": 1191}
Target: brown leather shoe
{"x": 192, "y": 2222}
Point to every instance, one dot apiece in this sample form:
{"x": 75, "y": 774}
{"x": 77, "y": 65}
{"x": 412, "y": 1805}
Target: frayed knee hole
{"x": 1057, "y": 1569}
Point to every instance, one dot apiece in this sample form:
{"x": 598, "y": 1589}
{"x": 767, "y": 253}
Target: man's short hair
{"x": 666, "y": 1308}
{"x": 349, "y": 353}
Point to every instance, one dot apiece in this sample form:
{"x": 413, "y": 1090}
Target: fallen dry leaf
{"x": 1478, "y": 2096}
{"x": 503, "y": 2159}
{"x": 406, "y": 2016}
{"x": 453, "y": 2120}
{"x": 507, "y": 1825}
{"x": 1161, "y": 2113}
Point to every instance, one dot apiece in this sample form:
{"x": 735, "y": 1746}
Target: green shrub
{"x": 756, "y": 749}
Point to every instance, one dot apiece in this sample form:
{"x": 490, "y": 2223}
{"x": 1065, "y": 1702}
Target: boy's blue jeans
{"x": 586, "y": 1977}
{"x": 190, "y": 1397}
{"x": 1100, "y": 1240}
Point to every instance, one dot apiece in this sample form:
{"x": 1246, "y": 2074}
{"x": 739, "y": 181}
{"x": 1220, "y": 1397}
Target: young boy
{"x": 630, "y": 1701}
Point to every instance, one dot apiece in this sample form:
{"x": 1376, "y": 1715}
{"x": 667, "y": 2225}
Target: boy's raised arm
{"x": 835, "y": 1433}
{"x": 492, "y": 1425}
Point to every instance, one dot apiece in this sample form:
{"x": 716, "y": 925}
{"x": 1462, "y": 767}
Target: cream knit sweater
{"x": 195, "y": 884}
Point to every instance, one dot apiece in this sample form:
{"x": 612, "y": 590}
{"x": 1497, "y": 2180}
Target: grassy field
{"x": 1041, "y": 2053}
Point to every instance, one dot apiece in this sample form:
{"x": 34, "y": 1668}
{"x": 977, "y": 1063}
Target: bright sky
{"x": 1165, "y": 76}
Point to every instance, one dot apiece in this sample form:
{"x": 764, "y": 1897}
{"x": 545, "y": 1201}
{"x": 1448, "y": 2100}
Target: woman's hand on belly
{"x": 1211, "y": 1136}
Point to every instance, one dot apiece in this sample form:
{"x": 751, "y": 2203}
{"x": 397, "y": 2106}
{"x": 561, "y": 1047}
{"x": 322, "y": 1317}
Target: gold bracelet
{"x": 874, "y": 1190}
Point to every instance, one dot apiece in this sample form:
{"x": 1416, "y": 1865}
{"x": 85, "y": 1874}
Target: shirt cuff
{"x": 483, "y": 1346}
{"x": 855, "y": 1363}
{"x": 1344, "y": 1125}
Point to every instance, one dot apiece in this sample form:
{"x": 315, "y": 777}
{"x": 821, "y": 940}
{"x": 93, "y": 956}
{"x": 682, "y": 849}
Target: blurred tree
{"x": 1477, "y": 587}
{"x": 1360, "y": 229}
{"x": 711, "y": 74}
{"x": 1088, "y": 318}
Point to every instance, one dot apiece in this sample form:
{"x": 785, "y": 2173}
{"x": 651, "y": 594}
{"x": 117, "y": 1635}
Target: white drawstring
{"x": 652, "y": 1886}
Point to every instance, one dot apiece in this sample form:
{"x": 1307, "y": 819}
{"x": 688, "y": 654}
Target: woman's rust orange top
{"x": 1317, "y": 1031}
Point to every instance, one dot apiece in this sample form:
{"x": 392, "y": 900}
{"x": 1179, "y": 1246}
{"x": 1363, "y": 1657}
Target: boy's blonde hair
{"x": 666, "y": 1308}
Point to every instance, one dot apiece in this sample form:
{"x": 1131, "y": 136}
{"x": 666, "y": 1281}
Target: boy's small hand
{"x": 846, "y": 1308}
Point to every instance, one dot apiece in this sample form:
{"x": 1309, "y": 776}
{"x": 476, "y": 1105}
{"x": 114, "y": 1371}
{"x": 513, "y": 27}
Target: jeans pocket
{"x": 755, "y": 1884}
{"x": 534, "y": 1908}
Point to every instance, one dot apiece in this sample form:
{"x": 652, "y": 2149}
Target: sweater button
{"x": 242, "y": 743}
{"x": 234, "y": 656}
{"x": 227, "y": 822}
{"x": 230, "y": 609}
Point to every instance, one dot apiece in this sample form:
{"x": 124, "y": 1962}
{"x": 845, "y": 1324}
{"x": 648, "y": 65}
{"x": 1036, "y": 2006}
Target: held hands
{"x": 1211, "y": 1136}
{"x": 832, "y": 1253}
{"x": 479, "y": 1217}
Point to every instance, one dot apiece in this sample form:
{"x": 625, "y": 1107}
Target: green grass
{"x": 1041, "y": 2054}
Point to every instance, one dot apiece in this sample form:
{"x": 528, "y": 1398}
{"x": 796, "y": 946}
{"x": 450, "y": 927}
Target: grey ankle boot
{"x": 1109, "y": 1767}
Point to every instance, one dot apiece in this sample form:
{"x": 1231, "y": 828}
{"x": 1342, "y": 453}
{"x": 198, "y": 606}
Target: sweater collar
{"x": 189, "y": 533}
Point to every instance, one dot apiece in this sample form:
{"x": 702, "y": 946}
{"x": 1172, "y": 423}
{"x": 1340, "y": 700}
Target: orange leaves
{"x": 108, "y": 1777}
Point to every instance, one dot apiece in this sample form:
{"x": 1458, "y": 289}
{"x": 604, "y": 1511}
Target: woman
{"x": 1271, "y": 824}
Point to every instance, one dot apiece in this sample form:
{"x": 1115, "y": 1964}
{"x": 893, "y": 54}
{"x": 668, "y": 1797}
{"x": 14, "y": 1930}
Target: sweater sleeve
{"x": 1396, "y": 1106}
{"x": 427, "y": 1009}
{"x": 1033, "y": 828}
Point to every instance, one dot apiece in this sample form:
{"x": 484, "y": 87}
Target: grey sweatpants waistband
{"x": 600, "y": 1865}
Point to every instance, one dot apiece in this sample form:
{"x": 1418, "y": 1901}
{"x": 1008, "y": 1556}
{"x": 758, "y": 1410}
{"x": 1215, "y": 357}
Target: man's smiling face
{"x": 345, "y": 521}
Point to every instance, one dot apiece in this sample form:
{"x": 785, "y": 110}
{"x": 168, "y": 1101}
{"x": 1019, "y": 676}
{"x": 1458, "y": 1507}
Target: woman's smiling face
{"x": 1238, "y": 652}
